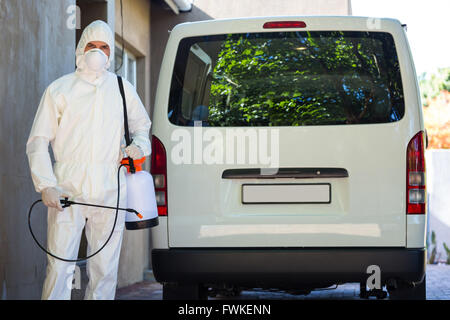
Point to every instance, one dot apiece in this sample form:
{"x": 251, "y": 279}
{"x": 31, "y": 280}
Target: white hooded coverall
{"x": 81, "y": 115}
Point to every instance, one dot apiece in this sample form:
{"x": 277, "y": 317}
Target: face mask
{"x": 95, "y": 59}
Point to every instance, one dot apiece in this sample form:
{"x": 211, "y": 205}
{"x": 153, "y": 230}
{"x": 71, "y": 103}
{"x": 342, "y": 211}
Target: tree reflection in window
{"x": 302, "y": 78}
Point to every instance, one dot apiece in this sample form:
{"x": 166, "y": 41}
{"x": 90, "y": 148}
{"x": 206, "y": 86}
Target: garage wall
{"x": 135, "y": 253}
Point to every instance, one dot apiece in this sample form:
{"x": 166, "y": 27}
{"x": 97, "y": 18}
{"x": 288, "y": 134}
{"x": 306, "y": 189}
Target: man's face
{"x": 98, "y": 45}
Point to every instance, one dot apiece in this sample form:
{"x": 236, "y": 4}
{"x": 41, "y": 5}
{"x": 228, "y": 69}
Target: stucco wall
{"x": 163, "y": 20}
{"x": 438, "y": 188}
{"x": 37, "y": 48}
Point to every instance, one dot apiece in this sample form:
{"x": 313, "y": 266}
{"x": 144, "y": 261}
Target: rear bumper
{"x": 286, "y": 267}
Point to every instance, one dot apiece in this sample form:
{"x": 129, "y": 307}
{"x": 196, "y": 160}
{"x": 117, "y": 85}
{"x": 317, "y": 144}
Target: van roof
{"x": 323, "y": 23}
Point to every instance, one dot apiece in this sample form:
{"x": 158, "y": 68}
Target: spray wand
{"x": 67, "y": 203}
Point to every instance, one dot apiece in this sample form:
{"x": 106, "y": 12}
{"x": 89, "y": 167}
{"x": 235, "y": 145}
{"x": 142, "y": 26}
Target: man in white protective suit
{"x": 81, "y": 115}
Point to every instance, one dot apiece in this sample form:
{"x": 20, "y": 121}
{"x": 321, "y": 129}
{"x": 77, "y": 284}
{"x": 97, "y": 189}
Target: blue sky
{"x": 428, "y": 27}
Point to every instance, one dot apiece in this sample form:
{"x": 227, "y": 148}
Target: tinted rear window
{"x": 286, "y": 79}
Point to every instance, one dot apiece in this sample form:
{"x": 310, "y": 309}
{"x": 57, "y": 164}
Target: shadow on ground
{"x": 438, "y": 288}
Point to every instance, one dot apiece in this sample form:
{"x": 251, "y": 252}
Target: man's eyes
{"x": 91, "y": 46}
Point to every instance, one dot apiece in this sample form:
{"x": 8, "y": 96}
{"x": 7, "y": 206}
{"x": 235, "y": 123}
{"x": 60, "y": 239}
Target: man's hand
{"x": 134, "y": 152}
{"x": 51, "y": 198}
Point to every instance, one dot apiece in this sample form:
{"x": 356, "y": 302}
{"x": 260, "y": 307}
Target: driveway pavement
{"x": 438, "y": 288}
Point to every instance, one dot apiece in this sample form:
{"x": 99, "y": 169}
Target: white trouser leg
{"x": 102, "y": 268}
{"x": 63, "y": 240}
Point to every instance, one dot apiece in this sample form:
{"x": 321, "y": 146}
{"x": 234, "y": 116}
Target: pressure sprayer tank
{"x": 140, "y": 197}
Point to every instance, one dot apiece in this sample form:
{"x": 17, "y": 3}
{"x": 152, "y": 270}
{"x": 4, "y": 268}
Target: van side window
{"x": 287, "y": 79}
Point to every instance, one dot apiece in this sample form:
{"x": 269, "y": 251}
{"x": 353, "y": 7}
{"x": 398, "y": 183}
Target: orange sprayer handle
{"x": 137, "y": 163}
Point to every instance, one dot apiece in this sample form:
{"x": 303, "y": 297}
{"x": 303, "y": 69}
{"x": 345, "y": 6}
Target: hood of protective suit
{"x": 96, "y": 31}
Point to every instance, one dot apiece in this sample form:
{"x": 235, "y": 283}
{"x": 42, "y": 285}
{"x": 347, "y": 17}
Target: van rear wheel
{"x": 405, "y": 291}
{"x": 177, "y": 291}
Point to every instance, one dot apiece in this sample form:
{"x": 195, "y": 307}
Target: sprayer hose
{"x": 89, "y": 256}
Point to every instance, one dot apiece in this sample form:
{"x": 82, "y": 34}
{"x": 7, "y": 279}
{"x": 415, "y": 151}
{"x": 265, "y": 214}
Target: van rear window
{"x": 286, "y": 79}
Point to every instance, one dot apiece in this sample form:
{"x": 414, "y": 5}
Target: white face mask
{"x": 95, "y": 60}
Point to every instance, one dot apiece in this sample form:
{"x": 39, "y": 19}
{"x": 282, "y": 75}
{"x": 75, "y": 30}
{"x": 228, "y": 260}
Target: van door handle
{"x": 275, "y": 173}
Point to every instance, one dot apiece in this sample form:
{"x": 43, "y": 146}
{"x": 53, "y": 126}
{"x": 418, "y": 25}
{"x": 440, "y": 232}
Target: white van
{"x": 288, "y": 152}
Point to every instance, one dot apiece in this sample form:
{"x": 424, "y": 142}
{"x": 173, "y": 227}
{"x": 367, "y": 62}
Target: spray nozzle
{"x": 135, "y": 212}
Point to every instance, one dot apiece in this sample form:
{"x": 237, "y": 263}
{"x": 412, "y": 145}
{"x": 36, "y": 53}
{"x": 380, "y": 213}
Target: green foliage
{"x": 432, "y": 83}
{"x": 301, "y": 80}
{"x": 447, "y": 250}
{"x": 432, "y": 258}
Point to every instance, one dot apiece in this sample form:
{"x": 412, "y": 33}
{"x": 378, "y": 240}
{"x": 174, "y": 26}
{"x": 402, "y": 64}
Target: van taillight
{"x": 284, "y": 24}
{"x": 159, "y": 172}
{"x": 416, "y": 175}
